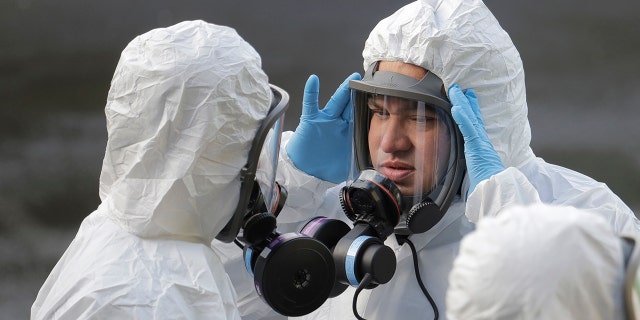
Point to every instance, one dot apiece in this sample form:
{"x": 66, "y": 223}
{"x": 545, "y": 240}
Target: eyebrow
{"x": 404, "y": 106}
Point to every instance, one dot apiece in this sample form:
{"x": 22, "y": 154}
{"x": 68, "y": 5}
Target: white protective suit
{"x": 539, "y": 262}
{"x": 184, "y": 105}
{"x": 461, "y": 42}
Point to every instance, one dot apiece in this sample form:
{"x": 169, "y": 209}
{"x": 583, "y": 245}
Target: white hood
{"x": 184, "y": 105}
{"x": 183, "y": 108}
{"x": 539, "y": 262}
{"x": 461, "y": 42}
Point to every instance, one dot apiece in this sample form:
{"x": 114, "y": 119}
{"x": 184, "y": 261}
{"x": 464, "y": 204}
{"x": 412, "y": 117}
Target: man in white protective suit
{"x": 453, "y": 47}
{"x": 187, "y": 114}
{"x": 540, "y": 262}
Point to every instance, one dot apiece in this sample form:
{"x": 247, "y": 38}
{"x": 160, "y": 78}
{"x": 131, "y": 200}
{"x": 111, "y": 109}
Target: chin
{"x": 406, "y": 191}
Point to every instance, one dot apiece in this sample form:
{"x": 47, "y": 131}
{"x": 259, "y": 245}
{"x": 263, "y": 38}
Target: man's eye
{"x": 380, "y": 113}
{"x": 375, "y": 109}
{"x": 425, "y": 119}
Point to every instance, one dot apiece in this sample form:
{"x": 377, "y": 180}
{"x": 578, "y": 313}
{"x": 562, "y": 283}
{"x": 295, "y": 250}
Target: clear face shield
{"x": 408, "y": 152}
{"x": 260, "y": 195}
{"x": 272, "y": 195}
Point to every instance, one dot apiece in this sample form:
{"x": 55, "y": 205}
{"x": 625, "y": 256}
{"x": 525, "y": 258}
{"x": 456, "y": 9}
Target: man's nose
{"x": 394, "y": 137}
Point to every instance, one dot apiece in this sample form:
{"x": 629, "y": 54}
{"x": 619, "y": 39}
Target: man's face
{"x": 408, "y": 141}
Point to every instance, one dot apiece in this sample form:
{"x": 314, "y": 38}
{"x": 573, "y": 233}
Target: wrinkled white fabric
{"x": 462, "y": 42}
{"x": 538, "y": 262}
{"x": 184, "y": 105}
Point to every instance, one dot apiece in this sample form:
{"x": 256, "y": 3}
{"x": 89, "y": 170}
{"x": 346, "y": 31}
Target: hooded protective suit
{"x": 539, "y": 262}
{"x": 184, "y": 105}
{"x": 461, "y": 42}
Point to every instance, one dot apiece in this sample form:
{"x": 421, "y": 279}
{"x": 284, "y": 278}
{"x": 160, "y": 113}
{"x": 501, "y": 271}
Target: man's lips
{"x": 396, "y": 171}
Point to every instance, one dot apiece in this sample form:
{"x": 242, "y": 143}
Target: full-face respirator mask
{"x": 404, "y": 131}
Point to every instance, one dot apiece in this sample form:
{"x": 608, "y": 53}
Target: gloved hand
{"x": 482, "y": 159}
{"x": 321, "y": 145}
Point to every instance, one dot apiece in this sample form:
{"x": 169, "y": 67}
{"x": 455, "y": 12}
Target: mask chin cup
{"x": 373, "y": 199}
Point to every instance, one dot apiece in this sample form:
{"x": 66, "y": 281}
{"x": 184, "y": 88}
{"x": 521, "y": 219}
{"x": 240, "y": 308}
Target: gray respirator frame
{"x": 432, "y": 206}
{"x": 279, "y": 105}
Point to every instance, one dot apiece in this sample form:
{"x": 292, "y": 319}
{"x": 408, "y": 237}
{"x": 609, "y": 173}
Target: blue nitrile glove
{"x": 482, "y": 159}
{"x": 321, "y": 145}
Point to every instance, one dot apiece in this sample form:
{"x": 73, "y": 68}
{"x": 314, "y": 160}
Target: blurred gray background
{"x": 57, "y": 57}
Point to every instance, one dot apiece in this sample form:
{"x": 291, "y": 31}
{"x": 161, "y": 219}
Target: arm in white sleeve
{"x": 509, "y": 187}
{"x": 306, "y": 193}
